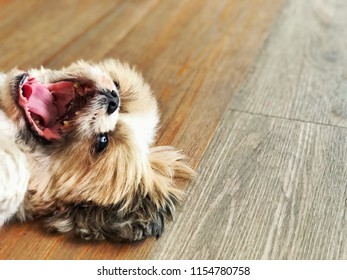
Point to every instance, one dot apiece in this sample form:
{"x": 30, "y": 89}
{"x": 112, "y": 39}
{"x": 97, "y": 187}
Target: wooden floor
{"x": 254, "y": 91}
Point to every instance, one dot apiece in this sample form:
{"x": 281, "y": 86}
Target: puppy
{"x": 75, "y": 147}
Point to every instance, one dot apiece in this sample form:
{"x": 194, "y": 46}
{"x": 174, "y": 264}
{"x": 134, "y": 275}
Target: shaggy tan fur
{"x": 123, "y": 193}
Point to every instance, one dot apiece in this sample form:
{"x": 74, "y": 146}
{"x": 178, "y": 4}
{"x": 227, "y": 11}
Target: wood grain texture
{"x": 195, "y": 54}
{"x": 273, "y": 181}
{"x": 269, "y": 189}
{"x": 34, "y": 30}
{"x": 270, "y": 144}
{"x": 302, "y": 71}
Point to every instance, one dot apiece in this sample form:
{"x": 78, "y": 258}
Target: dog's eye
{"x": 116, "y": 83}
{"x": 101, "y": 142}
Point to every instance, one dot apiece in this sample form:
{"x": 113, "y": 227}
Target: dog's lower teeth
{"x": 70, "y": 106}
{"x": 39, "y": 125}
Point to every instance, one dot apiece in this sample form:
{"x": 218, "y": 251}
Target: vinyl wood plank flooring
{"x": 30, "y": 31}
{"x": 273, "y": 181}
{"x": 302, "y": 71}
{"x": 252, "y": 91}
{"x": 195, "y": 54}
{"x": 269, "y": 189}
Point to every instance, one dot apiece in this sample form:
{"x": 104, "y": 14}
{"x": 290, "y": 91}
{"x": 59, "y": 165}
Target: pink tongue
{"x": 49, "y": 106}
{"x": 40, "y": 102}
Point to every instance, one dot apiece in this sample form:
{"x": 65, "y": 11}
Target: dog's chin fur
{"x": 124, "y": 192}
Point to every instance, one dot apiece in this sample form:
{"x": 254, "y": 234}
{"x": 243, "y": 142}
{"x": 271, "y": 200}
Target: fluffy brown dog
{"x": 85, "y": 134}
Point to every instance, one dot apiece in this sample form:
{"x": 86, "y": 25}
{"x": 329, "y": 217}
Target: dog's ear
{"x": 144, "y": 216}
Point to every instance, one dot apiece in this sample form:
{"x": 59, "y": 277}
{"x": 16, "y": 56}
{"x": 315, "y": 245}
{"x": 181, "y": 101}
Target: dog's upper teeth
{"x": 79, "y": 89}
{"x": 67, "y": 123}
{"x": 88, "y": 90}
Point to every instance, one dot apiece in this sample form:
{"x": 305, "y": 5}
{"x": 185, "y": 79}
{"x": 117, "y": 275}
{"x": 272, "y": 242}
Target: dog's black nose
{"x": 112, "y": 99}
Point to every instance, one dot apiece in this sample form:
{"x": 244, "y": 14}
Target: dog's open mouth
{"x": 50, "y": 108}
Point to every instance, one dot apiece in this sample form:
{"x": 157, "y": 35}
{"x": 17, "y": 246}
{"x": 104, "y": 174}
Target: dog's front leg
{"x": 14, "y": 178}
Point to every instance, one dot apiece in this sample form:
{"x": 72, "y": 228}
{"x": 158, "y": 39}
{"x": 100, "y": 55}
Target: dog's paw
{"x": 136, "y": 229}
{"x": 125, "y": 229}
{"x": 94, "y": 222}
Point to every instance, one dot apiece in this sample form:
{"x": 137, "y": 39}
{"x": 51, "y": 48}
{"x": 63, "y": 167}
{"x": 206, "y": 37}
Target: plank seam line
{"x": 288, "y": 119}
